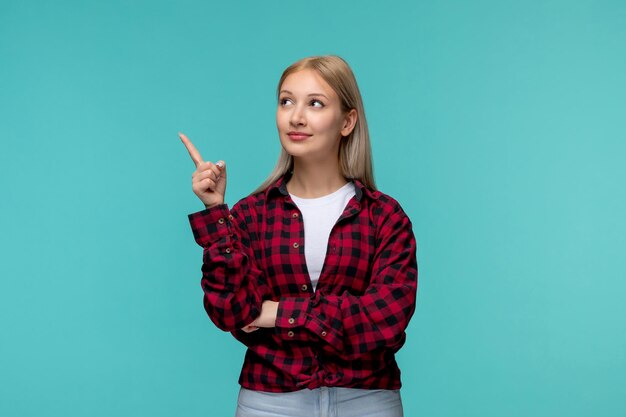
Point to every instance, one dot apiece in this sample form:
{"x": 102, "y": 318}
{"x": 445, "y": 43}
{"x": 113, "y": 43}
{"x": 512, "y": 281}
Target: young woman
{"x": 315, "y": 272}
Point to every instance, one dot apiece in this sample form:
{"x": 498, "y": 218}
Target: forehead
{"x": 306, "y": 82}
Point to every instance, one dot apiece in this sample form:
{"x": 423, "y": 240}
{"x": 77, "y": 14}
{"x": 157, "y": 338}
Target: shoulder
{"x": 391, "y": 223}
{"x": 386, "y": 215}
{"x": 383, "y": 205}
{"x": 254, "y": 206}
{"x": 251, "y": 200}
{"x": 247, "y": 207}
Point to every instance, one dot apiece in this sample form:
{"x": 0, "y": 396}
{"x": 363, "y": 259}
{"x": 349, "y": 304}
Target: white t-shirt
{"x": 319, "y": 216}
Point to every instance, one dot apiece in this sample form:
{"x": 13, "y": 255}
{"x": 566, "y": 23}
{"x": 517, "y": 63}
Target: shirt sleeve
{"x": 350, "y": 325}
{"x": 232, "y": 283}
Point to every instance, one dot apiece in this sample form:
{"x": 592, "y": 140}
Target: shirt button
{"x": 304, "y": 287}
{"x": 221, "y": 220}
{"x": 294, "y": 215}
{"x": 296, "y": 245}
{"x": 230, "y": 217}
{"x": 324, "y": 334}
{"x": 291, "y": 320}
{"x": 290, "y": 334}
{"x": 227, "y": 250}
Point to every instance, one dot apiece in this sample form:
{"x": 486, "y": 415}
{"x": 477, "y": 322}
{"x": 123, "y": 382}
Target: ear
{"x": 349, "y": 122}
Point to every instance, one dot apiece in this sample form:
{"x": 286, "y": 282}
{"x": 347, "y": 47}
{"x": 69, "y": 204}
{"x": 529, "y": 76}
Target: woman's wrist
{"x": 210, "y": 206}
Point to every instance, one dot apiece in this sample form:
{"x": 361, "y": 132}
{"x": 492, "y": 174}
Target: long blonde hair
{"x": 355, "y": 153}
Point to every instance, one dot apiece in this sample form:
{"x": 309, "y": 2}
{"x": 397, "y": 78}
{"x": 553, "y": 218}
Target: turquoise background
{"x": 498, "y": 125}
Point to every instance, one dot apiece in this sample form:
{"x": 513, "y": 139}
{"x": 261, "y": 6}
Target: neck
{"x": 312, "y": 180}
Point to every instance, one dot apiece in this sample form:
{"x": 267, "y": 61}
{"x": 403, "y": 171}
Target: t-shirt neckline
{"x": 325, "y": 199}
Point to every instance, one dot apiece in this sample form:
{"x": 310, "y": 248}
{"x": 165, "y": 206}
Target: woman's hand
{"x": 208, "y": 182}
{"x": 267, "y": 319}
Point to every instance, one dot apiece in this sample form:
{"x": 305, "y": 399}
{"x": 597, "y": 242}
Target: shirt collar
{"x": 280, "y": 186}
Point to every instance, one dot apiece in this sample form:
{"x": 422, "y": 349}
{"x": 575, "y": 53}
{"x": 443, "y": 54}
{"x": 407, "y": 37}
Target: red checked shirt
{"x": 346, "y": 332}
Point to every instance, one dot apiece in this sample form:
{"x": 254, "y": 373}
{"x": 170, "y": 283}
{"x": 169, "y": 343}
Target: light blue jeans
{"x": 320, "y": 402}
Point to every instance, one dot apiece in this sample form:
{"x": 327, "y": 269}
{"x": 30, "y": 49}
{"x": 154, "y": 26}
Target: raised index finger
{"x": 193, "y": 152}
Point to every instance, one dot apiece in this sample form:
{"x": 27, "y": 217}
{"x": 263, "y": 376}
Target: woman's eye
{"x": 317, "y": 103}
{"x": 284, "y": 101}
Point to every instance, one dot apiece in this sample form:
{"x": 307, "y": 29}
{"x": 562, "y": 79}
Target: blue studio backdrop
{"x": 498, "y": 125}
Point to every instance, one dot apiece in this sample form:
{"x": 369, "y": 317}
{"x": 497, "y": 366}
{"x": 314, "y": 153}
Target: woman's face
{"x": 309, "y": 117}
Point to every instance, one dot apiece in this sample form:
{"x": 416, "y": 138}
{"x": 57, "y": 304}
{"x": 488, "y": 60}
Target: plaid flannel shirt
{"x": 346, "y": 332}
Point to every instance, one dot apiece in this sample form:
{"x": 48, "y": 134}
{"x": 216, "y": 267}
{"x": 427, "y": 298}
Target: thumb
{"x": 222, "y": 166}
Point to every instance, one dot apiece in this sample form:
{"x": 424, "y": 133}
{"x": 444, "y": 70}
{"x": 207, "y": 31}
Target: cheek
{"x": 330, "y": 125}
{"x": 282, "y": 118}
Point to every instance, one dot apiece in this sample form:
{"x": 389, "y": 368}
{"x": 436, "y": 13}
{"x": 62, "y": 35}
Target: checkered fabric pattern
{"x": 346, "y": 332}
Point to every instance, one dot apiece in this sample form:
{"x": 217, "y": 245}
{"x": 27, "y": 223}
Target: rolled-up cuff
{"x": 210, "y": 225}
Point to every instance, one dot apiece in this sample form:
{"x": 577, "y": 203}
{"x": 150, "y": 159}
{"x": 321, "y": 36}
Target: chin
{"x": 296, "y": 149}
{"x": 296, "y": 153}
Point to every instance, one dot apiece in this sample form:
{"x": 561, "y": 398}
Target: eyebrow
{"x": 309, "y": 95}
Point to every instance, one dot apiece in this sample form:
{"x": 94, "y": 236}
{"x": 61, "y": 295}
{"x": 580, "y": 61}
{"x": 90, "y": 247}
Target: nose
{"x": 297, "y": 116}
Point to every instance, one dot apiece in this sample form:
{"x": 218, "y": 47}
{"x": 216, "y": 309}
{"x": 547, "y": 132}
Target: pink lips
{"x": 298, "y": 135}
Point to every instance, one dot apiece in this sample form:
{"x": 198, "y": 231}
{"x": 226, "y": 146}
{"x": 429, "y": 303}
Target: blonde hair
{"x": 355, "y": 153}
